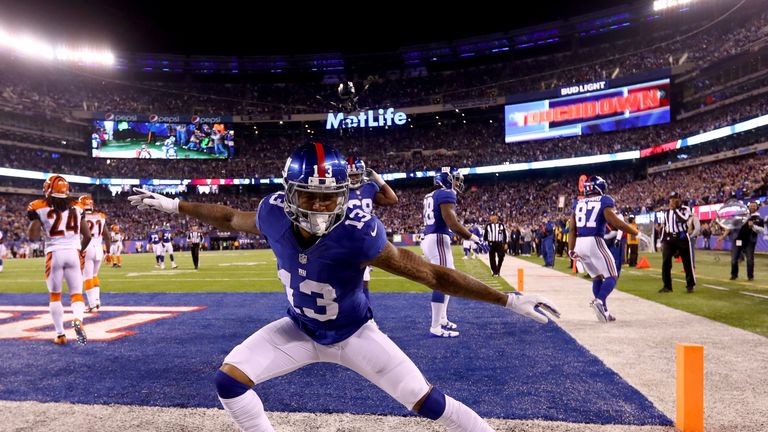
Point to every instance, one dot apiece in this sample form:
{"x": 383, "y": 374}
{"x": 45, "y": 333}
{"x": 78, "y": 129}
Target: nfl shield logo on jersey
{"x": 302, "y": 259}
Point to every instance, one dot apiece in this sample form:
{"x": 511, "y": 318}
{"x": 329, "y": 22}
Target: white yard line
{"x": 754, "y": 295}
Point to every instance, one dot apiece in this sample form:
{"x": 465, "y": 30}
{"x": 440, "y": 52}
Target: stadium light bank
{"x": 32, "y": 46}
{"x": 667, "y": 4}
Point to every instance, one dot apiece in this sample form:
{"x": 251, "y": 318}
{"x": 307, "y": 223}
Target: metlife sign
{"x": 366, "y": 119}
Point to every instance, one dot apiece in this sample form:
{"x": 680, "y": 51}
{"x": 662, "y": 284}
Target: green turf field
{"x": 127, "y": 149}
{"x": 738, "y": 303}
{"x": 716, "y": 297}
{"x": 219, "y": 271}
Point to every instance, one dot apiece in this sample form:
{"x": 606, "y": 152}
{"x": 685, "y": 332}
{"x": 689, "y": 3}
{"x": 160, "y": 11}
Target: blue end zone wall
{"x": 503, "y": 365}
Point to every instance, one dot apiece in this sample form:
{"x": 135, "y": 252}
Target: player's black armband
{"x": 32, "y": 215}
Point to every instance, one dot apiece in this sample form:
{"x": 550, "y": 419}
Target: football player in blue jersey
{"x": 586, "y": 244}
{"x": 154, "y": 239}
{"x": 366, "y": 189}
{"x": 167, "y": 247}
{"x": 322, "y": 250}
{"x": 469, "y": 246}
{"x": 440, "y": 221}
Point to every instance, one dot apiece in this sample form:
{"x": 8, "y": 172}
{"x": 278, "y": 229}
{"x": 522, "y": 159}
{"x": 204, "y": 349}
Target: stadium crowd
{"x": 27, "y": 87}
{"x": 425, "y": 147}
{"x": 520, "y": 202}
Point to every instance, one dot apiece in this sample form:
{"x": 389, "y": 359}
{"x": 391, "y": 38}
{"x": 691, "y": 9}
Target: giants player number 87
{"x": 590, "y": 215}
{"x": 321, "y": 252}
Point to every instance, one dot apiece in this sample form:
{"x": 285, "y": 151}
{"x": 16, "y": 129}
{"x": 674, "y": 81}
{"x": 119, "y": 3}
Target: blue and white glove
{"x": 532, "y": 306}
{"x": 374, "y": 177}
{"x": 150, "y": 200}
{"x": 474, "y": 239}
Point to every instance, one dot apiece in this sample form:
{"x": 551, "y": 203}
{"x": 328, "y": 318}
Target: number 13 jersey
{"x": 324, "y": 283}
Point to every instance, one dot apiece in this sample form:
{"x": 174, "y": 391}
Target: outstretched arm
{"x": 617, "y": 223}
{"x": 222, "y": 217}
{"x": 448, "y": 211}
{"x": 407, "y": 264}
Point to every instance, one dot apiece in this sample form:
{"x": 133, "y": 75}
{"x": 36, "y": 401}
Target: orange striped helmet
{"x": 86, "y": 202}
{"x": 115, "y": 228}
{"x": 56, "y": 186}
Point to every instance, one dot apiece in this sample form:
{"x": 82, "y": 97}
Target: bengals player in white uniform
{"x": 59, "y": 217}
{"x": 116, "y": 238}
{"x": 94, "y": 253}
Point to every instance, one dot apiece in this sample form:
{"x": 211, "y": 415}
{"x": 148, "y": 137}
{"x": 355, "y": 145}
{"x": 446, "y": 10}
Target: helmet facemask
{"x": 458, "y": 182}
{"x": 302, "y": 199}
{"x": 356, "y": 178}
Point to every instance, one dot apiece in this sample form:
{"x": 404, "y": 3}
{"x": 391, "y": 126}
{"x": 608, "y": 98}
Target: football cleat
{"x": 60, "y": 339}
{"x": 447, "y": 325}
{"x": 82, "y": 339}
{"x": 94, "y": 308}
{"x": 439, "y": 332}
{"x": 600, "y": 312}
{"x": 175, "y": 266}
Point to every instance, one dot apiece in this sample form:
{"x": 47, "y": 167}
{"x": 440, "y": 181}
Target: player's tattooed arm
{"x": 617, "y": 223}
{"x": 407, "y": 264}
{"x": 449, "y": 214}
{"x": 222, "y": 217}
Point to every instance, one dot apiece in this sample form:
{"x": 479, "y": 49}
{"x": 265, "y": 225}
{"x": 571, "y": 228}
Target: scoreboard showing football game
{"x": 589, "y": 108}
{"x": 123, "y": 139}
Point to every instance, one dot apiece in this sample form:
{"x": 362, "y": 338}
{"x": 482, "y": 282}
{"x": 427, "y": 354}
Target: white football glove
{"x": 574, "y": 256}
{"x": 374, "y": 177}
{"x": 146, "y": 200}
{"x": 474, "y": 239}
{"x": 532, "y": 306}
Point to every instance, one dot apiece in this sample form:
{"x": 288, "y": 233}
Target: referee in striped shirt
{"x": 195, "y": 238}
{"x": 496, "y": 236}
{"x": 676, "y": 229}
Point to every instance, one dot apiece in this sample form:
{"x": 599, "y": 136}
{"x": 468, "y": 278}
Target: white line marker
{"x": 754, "y": 295}
{"x": 716, "y": 287}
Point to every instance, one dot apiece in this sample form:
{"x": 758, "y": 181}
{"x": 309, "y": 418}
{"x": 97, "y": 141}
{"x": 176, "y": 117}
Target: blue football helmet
{"x": 356, "y": 172}
{"x": 450, "y": 178}
{"x": 596, "y": 185}
{"x": 315, "y": 176}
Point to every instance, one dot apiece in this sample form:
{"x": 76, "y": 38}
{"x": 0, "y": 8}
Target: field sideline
{"x": 738, "y": 303}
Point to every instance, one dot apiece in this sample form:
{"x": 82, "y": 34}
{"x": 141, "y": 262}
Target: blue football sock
{"x": 605, "y": 290}
{"x": 596, "y": 287}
